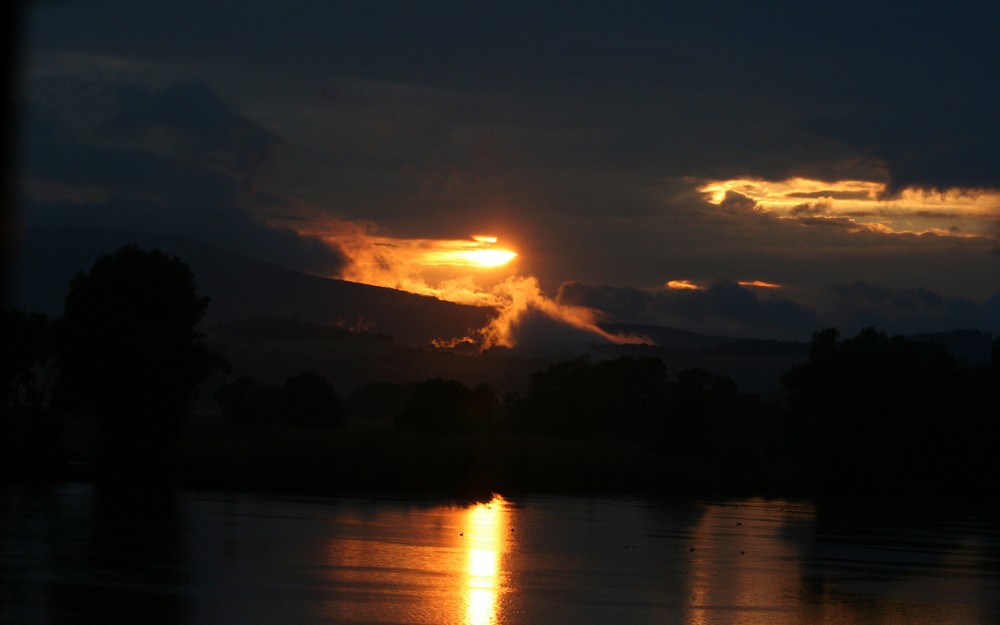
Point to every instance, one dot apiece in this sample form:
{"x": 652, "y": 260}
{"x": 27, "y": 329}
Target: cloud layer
{"x": 178, "y": 159}
{"x": 585, "y": 139}
{"x": 727, "y": 308}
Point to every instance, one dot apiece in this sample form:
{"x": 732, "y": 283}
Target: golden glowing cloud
{"x": 760, "y": 284}
{"x": 683, "y": 285}
{"x": 407, "y": 264}
{"x": 863, "y": 205}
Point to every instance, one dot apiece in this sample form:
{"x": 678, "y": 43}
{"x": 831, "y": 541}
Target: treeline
{"x": 877, "y": 412}
{"x": 871, "y": 413}
{"x": 305, "y": 399}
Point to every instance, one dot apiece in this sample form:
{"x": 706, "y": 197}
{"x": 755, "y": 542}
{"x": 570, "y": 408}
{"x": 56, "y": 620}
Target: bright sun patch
{"x": 862, "y": 205}
{"x": 476, "y": 257}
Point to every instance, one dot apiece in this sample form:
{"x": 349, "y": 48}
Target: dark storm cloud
{"x": 176, "y": 160}
{"x": 728, "y": 308}
{"x": 903, "y": 299}
{"x": 204, "y": 130}
{"x": 708, "y": 89}
{"x": 132, "y": 138}
{"x": 722, "y": 308}
{"x": 910, "y": 310}
{"x": 737, "y": 204}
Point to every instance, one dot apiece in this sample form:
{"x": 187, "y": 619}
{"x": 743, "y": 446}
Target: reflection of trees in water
{"x": 744, "y": 564}
{"x": 779, "y": 562}
{"x": 866, "y": 564}
{"x": 116, "y": 558}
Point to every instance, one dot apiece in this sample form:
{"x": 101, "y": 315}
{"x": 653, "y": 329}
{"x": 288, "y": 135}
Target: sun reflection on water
{"x": 486, "y": 527}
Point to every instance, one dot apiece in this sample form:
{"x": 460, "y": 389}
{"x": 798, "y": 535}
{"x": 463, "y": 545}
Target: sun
{"x": 489, "y": 257}
{"x": 477, "y": 252}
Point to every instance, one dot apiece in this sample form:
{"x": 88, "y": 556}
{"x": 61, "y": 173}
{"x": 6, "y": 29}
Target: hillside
{"x": 241, "y": 287}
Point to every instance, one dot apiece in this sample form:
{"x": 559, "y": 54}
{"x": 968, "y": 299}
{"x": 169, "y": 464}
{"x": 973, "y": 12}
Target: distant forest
{"x": 107, "y": 391}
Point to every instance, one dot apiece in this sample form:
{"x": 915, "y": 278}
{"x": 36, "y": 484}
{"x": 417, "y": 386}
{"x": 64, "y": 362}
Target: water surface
{"x": 73, "y": 555}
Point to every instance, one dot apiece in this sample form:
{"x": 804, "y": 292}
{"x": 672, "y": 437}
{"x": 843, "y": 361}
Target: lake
{"x": 72, "y": 555}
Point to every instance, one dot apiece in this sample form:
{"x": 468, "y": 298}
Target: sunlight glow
{"x": 861, "y": 205}
{"x": 473, "y": 272}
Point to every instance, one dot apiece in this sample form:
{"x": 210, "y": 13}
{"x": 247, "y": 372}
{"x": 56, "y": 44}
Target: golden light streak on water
{"x": 487, "y": 534}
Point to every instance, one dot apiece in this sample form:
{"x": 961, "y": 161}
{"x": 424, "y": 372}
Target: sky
{"x": 760, "y": 169}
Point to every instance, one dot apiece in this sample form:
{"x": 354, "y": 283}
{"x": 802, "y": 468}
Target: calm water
{"x": 70, "y": 556}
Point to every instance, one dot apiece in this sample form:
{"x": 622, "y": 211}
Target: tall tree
{"x": 132, "y": 357}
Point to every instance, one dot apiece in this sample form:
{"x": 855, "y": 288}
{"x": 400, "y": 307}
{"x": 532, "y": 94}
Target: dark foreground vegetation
{"x": 106, "y": 393}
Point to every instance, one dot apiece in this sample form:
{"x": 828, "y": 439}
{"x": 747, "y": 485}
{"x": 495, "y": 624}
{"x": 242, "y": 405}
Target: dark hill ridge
{"x": 241, "y": 287}
{"x": 272, "y": 349}
{"x": 244, "y": 289}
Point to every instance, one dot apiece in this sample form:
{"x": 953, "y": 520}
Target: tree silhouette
{"x": 693, "y": 411}
{"x": 888, "y": 412}
{"x": 245, "y": 400}
{"x": 308, "y": 399}
{"x": 377, "y": 400}
{"x": 578, "y": 399}
{"x": 305, "y": 398}
{"x": 132, "y": 358}
{"x": 440, "y": 406}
